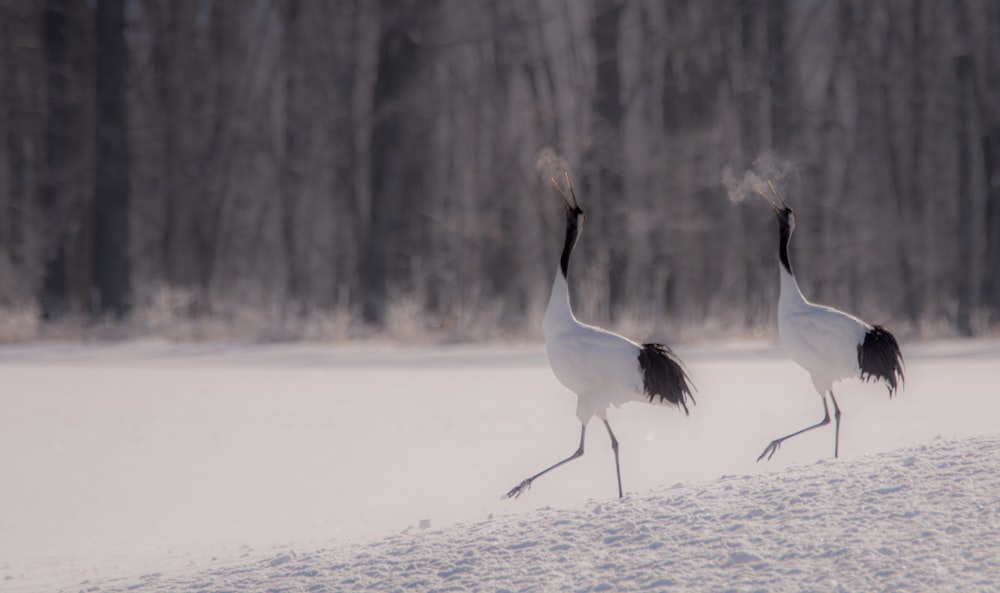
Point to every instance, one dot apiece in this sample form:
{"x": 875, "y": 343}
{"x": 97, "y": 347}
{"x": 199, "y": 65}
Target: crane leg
{"x": 836, "y": 424}
{"x": 526, "y": 483}
{"x": 774, "y": 445}
{"x": 614, "y": 447}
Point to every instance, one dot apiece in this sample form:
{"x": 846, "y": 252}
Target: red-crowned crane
{"x": 830, "y": 344}
{"x": 602, "y": 368}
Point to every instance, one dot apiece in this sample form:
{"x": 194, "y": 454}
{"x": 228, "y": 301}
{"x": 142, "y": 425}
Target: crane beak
{"x": 779, "y": 206}
{"x": 570, "y": 200}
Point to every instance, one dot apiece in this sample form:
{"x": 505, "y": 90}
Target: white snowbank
{"x": 135, "y": 458}
{"x": 916, "y": 519}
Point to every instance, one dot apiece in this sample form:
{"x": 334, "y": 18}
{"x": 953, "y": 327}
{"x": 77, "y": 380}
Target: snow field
{"x": 916, "y": 519}
{"x": 144, "y": 457}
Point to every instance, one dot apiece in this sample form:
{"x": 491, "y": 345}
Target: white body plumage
{"x": 600, "y": 367}
{"x": 820, "y": 339}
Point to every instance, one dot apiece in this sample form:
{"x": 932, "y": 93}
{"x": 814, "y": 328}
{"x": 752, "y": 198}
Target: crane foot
{"x": 517, "y": 490}
{"x": 770, "y": 450}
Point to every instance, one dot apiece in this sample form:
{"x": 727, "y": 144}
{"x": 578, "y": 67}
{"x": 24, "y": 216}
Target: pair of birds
{"x": 605, "y": 369}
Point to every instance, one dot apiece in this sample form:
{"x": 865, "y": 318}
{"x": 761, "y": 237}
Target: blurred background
{"x": 306, "y": 169}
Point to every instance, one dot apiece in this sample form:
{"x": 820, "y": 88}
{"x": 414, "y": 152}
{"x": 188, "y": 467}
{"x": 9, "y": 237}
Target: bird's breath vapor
{"x": 766, "y": 168}
{"x": 549, "y": 165}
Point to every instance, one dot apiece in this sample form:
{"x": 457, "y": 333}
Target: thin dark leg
{"x": 773, "y": 447}
{"x": 526, "y": 483}
{"x": 614, "y": 447}
{"x": 836, "y": 417}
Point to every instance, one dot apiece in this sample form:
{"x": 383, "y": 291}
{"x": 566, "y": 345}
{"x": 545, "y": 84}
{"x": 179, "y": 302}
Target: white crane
{"x": 602, "y": 368}
{"x": 830, "y": 344}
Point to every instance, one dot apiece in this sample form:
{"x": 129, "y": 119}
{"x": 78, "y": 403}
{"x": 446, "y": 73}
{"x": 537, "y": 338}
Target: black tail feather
{"x": 663, "y": 375}
{"x": 880, "y": 358}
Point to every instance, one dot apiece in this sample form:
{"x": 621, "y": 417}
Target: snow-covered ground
{"x": 307, "y": 467}
{"x": 920, "y": 519}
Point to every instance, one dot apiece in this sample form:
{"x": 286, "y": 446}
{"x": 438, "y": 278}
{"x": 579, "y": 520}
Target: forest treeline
{"x": 384, "y": 162}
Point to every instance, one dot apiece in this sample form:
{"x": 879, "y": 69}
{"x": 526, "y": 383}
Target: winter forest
{"x": 281, "y": 169}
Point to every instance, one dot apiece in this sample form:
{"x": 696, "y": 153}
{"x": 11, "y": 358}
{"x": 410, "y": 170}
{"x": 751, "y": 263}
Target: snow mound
{"x": 916, "y": 519}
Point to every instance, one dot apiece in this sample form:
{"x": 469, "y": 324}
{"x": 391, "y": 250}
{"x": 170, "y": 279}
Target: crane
{"x": 602, "y": 368}
{"x": 829, "y": 344}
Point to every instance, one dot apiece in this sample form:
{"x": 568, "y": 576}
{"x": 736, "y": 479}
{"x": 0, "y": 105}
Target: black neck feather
{"x": 786, "y": 235}
{"x": 572, "y": 232}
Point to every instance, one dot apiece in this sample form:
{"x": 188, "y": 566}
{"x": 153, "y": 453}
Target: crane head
{"x": 574, "y": 214}
{"x": 785, "y": 214}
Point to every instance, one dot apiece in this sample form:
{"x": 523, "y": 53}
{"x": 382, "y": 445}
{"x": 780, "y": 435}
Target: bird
{"x": 602, "y": 368}
{"x": 829, "y": 344}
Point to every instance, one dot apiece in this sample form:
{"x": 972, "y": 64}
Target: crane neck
{"x": 572, "y": 234}
{"x": 790, "y": 294}
{"x": 559, "y": 313}
{"x": 784, "y": 237}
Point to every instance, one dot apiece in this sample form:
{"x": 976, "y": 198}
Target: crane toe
{"x": 770, "y": 450}
{"x": 516, "y": 491}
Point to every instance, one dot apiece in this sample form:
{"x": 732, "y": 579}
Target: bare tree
{"x": 22, "y": 135}
{"x": 271, "y": 161}
{"x": 111, "y": 178}
{"x": 395, "y": 169}
{"x": 606, "y": 155}
{"x": 61, "y": 203}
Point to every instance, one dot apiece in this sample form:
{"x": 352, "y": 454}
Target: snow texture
{"x": 917, "y": 519}
{"x": 156, "y": 467}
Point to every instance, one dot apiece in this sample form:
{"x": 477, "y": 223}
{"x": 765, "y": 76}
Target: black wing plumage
{"x": 663, "y": 375}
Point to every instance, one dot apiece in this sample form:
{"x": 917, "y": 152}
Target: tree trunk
{"x": 988, "y": 113}
{"x": 782, "y": 112}
{"x": 292, "y": 157}
{"x": 608, "y": 148}
{"x": 963, "y": 283}
{"x": 349, "y": 171}
{"x": 396, "y": 72}
{"x": 111, "y": 180}
{"x": 896, "y": 183}
{"x": 168, "y": 57}
{"x": 64, "y": 35}
{"x": 747, "y": 71}
{"x": 991, "y": 281}
{"x": 918, "y": 113}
